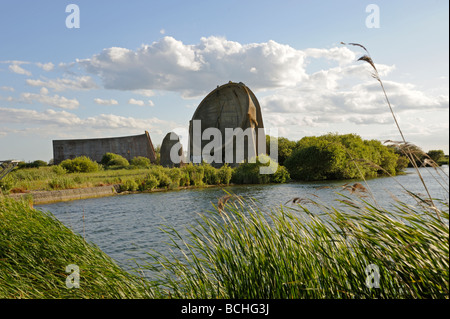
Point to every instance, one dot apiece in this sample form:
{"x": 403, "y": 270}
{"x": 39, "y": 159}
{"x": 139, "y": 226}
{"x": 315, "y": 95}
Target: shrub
{"x": 177, "y": 176}
{"x": 436, "y": 155}
{"x": 195, "y": 173}
{"x": 129, "y": 185}
{"x": 148, "y": 183}
{"x": 111, "y": 160}
{"x": 140, "y": 161}
{"x": 225, "y": 173}
{"x": 59, "y": 170}
{"x": 281, "y": 175}
{"x": 81, "y": 164}
{"x": 161, "y": 176}
{"x": 210, "y": 175}
{"x": 250, "y": 173}
{"x": 334, "y": 156}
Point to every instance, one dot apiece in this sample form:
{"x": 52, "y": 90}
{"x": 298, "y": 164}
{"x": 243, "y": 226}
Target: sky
{"x": 125, "y": 67}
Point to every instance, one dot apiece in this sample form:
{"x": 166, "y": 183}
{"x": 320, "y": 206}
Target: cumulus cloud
{"x": 16, "y": 68}
{"x": 46, "y": 66}
{"x": 45, "y": 99}
{"x": 105, "y": 102}
{"x": 136, "y": 102}
{"x": 70, "y": 122}
{"x": 84, "y": 82}
{"x": 193, "y": 70}
{"x": 7, "y": 88}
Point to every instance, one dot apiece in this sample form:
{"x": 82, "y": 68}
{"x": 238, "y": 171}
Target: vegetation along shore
{"x": 326, "y": 157}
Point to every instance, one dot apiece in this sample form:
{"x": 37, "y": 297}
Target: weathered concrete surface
{"x": 45, "y": 197}
{"x": 232, "y": 105}
{"x": 171, "y": 140}
{"x": 126, "y": 146}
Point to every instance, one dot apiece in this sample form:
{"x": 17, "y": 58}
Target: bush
{"x": 250, "y": 173}
{"x": 195, "y": 173}
{"x": 225, "y": 173}
{"x": 59, "y": 170}
{"x": 81, "y": 164}
{"x": 285, "y": 147}
{"x": 148, "y": 183}
{"x": 281, "y": 175}
{"x": 114, "y": 161}
{"x": 140, "y": 161}
{"x": 335, "y": 156}
{"x": 437, "y": 156}
{"x": 178, "y": 177}
{"x": 34, "y": 164}
{"x": 210, "y": 175}
{"x": 160, "y": 174}
{"x": 129, "y": 185}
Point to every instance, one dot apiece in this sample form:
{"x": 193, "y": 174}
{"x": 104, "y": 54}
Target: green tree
{"x": 436, "y": 155}
{"x": 285, "y": 147}
{"x": 81, "y": 164}
{"x": 111, "y": 160}
{"x": 334, "y": 156}
{"x": 140, "y": 161}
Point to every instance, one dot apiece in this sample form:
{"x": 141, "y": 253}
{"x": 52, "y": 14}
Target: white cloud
{"x": 150, "y": 102}
{"x": 77, "y": 83}
{"x": 64, "y": 123}
{"x": 136, "y": 102}
{"x": 46, "y": 66}
{"x": 193, "y": 70}
{"x": 147, "y": 93}
{"x": 45, "y": 99}
{"x": 105, "y": 102}
{"x": 7, "y": 88}
{"x": 19, "y": 70}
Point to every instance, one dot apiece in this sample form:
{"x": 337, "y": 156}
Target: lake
{"x": 126, "y": 227}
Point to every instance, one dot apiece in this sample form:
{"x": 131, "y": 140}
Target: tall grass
{"x": 241, "y": 251}
{"x": 35, "y": 249}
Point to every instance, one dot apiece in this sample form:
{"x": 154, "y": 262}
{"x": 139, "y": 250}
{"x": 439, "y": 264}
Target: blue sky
{"x": 146, "y": 65}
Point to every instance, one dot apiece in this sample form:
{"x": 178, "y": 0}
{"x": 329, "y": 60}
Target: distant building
{"x": 230, "y": 106}
{"x": 171, "y": 144}
{"x": 126, "y": 146}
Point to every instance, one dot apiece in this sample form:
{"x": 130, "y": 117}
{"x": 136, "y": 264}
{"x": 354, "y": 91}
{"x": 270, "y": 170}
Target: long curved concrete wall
{"x": 126, "y": 146}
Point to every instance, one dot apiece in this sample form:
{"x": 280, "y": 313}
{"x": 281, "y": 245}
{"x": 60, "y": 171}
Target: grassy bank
{"x": 35, "y": 249}
{"x": 50, "y": 178}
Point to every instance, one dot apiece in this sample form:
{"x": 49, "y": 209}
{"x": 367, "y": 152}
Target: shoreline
{"x": 43, "y": 197}
{"x": 64, "y": 195}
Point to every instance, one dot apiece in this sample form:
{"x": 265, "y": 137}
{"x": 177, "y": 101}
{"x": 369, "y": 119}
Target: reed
{"x": 239, "y": 250}
{"x": 405, "y": 146}
{"x": 35, "y": 249}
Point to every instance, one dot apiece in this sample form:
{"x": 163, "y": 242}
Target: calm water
{"x": 127, "y": 226}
